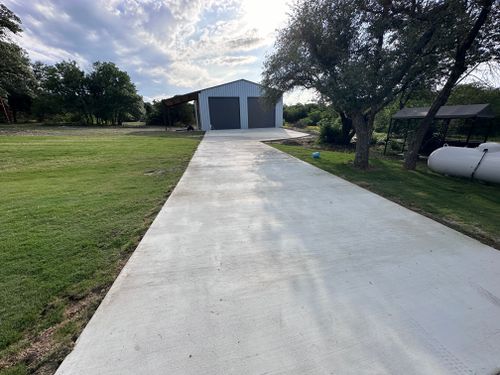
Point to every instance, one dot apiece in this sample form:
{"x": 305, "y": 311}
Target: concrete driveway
{"x": 262, "y": 264}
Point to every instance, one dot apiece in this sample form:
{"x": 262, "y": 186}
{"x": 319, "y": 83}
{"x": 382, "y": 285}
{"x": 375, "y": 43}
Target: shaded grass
{"x": 471, "y": 207}
{"x": 72, "y": 208}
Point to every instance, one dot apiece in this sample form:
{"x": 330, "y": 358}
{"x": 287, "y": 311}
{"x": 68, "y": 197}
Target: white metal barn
{"x": 233, "y": 105}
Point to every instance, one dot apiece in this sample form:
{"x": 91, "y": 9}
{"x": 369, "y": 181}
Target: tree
{"x": 106, "y": 95}
{"x": 45, "y": 103}
{"x": 63, "y": 85}
{"x": 473, "y": 38}
{"x": 358, "y": 55}
{"x": 114, "y": 96}
{"x": 475, "y": 93}
{"x": 9, "y": 22}
{"x": 19, "y": 102}
{"x": 15, "y": 73}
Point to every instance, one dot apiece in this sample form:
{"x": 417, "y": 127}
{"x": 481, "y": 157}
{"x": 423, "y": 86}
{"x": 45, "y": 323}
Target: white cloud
{"x": 265, "y": 15}
{"x": 157, "y": 97}
{"x": 300, "y": 96}
{"x": 50, "y": 12}
{"x": 231, "y": 60}
{"x": 183, "y": 75}
{"x": 50, "y": 54}
{"x": 167, "y": 45}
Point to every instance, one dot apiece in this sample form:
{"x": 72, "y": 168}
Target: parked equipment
{"x": 482, "y": 163}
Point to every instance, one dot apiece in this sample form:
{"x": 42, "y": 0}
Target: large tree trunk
{"x": 364, "y": 126}
{"x": 459, "y": 67}
{"x": 347, "y": 129}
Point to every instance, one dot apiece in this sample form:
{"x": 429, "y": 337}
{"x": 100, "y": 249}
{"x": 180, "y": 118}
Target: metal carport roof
{"x": 448, "y": 112}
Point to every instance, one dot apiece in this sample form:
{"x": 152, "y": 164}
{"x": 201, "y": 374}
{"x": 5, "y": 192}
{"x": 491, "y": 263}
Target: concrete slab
{"x": 262, "y": 264}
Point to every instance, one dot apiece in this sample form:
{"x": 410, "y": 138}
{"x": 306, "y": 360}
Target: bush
{"x": 303, "y": 123}
{"x": 378, "y": 138}
{"x": 315, "y": 116}
{"x": 328, "y": 133}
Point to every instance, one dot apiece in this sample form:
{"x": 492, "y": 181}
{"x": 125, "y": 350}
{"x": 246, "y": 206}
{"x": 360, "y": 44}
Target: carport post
{"x": 196, "y": 114}
{"x": 446, "y": 126}
{"x": 490, "y": 126}
{"x": 470, "y": 131}
{"x": 408, "y": 122}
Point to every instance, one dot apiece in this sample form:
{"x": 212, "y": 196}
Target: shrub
{"x": 303, "y": 122}
{"x": 378, "y": 138}
{"x": 328, "y": 133}
{"x": 315, "y": 116}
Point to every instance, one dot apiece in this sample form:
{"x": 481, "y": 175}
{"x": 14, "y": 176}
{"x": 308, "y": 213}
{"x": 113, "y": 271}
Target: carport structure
{"x": 476, "y": 126}
{"x": 239, "y": 104}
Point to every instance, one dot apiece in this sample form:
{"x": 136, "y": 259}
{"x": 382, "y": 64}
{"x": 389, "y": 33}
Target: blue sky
{"x": 167, "y": 46}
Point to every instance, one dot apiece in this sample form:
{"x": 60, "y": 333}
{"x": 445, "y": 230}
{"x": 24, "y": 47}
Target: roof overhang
{"x": 447, "y": 112}
{"x": 179, "y": 99}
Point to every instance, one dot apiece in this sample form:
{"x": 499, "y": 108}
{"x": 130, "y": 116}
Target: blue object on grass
{"x": 315, "y": 155}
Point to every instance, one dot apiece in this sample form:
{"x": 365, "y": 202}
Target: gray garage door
{"x": 224, "y": 112}
{"x": 260, "y": 114}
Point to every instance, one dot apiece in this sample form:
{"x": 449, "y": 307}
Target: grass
{"x": 468, "y": 206}
{"x": 73, "y": 208}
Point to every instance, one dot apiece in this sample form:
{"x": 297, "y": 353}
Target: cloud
{"x": 182, "y": 75}
{"x": 158, "y": 97}
{"x": 231, "y": 60}
{"x": 300, "y": 96}
{"x": 167, "y": 46}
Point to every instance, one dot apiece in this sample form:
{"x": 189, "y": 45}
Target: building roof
{"x": 184, "y": 98}
{"x": 178, "y": 99}
{"x": 448, "y": 112}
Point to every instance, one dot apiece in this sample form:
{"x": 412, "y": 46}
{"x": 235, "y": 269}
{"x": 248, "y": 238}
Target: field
{"x": 74, "y": 203}
{"x": 471, "y": 207}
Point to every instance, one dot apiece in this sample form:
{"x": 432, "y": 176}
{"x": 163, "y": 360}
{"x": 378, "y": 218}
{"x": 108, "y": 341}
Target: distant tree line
{"x": 63, "y": 91}
{"x": 104, "y": 96}
{"x": 329, "y": 122}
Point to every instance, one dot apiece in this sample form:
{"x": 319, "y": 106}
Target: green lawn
{"x": 72, "y": 209}
{"x": 468, "y": 206}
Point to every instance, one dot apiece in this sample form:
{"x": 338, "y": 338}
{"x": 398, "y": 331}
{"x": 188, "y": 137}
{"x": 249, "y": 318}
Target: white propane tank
{"x": 482, "y": 163}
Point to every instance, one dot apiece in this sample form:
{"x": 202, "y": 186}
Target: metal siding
{"x": 242, "y": 89}
{"x": 279, "y": 113}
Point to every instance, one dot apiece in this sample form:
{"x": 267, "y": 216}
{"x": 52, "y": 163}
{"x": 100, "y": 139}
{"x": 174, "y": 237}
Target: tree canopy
{"x": 105, "y": 95}
{"x": 15, "y": 72}
{"x": 360, "y": 55}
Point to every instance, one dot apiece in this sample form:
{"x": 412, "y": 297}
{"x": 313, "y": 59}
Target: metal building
{"x": 233, "y": 105}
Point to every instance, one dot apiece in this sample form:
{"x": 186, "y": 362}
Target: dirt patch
{"x": 155, "y": 172}
{"x": 310, "y": 141}
{"x": 42, "y": 353}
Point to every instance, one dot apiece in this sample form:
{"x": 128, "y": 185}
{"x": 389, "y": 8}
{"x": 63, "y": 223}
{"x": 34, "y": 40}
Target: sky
{"x": 168, "y": 47}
